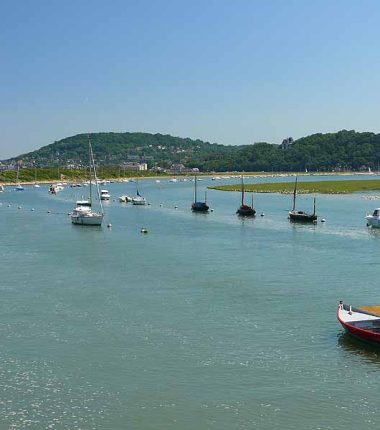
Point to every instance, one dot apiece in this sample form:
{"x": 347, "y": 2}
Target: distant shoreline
{"x": 232, "y": 175}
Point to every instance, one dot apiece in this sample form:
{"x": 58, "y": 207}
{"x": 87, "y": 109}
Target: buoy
{"x": 262, "y": 214}
{"x": 32, "y": 210}
{"x": 19, "y": 207}
{"x": 149, "y": 204}
{"x": 175, "y": 207}
{"x": 9, "y": 206}
{"x": 211, "y": 210}
{"x": 109, "y": 225}
{"x": 144, "y": 230}
{"x": 49, "y": 212}
{"x": 323, "y": 220}
{"x": 161, "y": 205}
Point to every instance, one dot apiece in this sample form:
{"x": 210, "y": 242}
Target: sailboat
{"x": 244, "y": 209}
{"x": 300, "y": 216}
{"x": 35, "y": 178}
{"x": 19, "y": 187}
{"x": 83, "y": 213}
{"x": 198, "y": 206}
{"x": 138, "y": 200}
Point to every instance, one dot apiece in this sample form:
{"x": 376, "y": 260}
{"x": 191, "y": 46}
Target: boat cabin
{"x": 376, "y": 212}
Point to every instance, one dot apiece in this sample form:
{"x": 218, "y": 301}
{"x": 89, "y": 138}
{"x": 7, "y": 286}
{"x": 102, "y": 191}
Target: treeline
{"x": 344, "y": 150}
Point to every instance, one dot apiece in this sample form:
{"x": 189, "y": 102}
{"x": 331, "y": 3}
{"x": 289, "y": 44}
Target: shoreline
{"x": 232, "y": 175}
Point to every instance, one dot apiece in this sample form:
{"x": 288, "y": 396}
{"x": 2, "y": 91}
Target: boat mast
{"x": 206, "y": 196}
{"x": 90, "y": 167}
{"x": 242, "y": 191}
{"x": 195, "y": 188}
{"x": 314, "y": 207}
{"x": 294, "y": 195}
{"x": 95, "y": 177}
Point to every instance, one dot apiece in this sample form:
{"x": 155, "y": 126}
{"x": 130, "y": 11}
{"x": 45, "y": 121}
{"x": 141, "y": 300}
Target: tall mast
{"x": 90, "y": 167}
{"x": 195, "y": 188}
{"x": 314, "y": 207}
{"x": 95, "y": 177}
{"x": 242, "y": 190}
{"x": 294, "y": 195}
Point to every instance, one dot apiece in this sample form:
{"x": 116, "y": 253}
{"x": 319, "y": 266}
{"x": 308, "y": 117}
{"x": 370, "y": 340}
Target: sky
{"x": 231, "y": 72}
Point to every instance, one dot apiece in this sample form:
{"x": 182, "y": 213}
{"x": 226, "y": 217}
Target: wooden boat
{"x": 301, "y": 216}
{"x": 245, "y": 210}
{"x": 361, "y": 323}
{"x": 198, "y": 206}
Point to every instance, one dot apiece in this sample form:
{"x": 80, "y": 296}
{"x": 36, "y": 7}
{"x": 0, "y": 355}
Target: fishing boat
{"x": 245, "y": 210}
{"x": 199, "y": 206}
{"x": 301, "y": 216}
{"x": 374, "y": 219}
{"x": 361, "y": 323}
{"x": 18, "y": 187}
{"x": 138, "y": 200}
{"x": 83, "y": 214}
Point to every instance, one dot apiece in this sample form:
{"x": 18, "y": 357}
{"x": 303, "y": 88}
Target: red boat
{"x": 362, "y": 323}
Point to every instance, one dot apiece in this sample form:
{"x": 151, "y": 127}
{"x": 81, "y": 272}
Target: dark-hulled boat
{"x": 360, "y": 323}
{"x": 198, "y": 206}
{"x": 245, "y": 210}
{"x": 301, "y": 216}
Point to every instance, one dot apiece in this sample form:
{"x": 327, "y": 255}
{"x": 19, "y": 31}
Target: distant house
{"x": 138, "y": 167}
{"x": 286, "y": 143}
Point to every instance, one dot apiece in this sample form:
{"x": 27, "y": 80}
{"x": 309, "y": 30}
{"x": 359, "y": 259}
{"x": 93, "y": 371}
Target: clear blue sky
{"x": 233, "y": 72}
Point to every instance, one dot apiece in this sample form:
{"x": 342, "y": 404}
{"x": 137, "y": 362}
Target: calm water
{"x": 208, "y": 321}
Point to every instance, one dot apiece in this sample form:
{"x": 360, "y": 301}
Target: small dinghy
{"x": 361, "y": 323}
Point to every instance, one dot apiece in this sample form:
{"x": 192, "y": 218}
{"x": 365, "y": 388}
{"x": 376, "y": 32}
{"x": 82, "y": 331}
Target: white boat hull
{"x": 138, "y": 202}
{"x": 373, "y": 221}
{"x": 87, "y": 219}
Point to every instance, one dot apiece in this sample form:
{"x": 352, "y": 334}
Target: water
{"x": 208, "y": 321}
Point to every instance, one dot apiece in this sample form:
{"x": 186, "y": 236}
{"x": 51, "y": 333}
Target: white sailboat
{"x": 83, "y": 213}
{"x": 19, "y": 187}
{"x": 35, "y": 178}
{"x": 138, "y": 200}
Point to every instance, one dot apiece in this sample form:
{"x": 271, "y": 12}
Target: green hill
{"x": 319, "y": 152}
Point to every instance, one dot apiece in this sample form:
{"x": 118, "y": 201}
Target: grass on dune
{"x": 321, "y": 187}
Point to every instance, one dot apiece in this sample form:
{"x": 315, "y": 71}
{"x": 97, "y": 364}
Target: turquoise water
{"x": 208, "y": 321}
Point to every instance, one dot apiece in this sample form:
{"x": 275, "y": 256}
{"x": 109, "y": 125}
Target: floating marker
{"x": 19, "y": 207}
{"x": 211, "y": 210}
{"x": 175, "y": 207}
{"x": 144, "y": 230}
{"x": 161, "y": 205}
{"x": 109, "y": 225}
{"x": 323, "y": 220}
{"x": 32, "y": 210}
{"x": 262, "y": 214}
{"x": 49, "y": 212}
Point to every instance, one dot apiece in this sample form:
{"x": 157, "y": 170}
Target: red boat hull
{"x": 359, "y": 333}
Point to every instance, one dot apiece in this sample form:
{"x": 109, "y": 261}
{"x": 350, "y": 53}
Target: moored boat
{"x": 198, "y": 206}
{"x": 374, "y": 219}
{"x": 104, "y": 195}
{"x": 83, "y": 214}
{"x": 301, "y": 216}
{"x": 361, "y": 323}
{"x": 245, "y": 210}
{"x": 138, "y": 200}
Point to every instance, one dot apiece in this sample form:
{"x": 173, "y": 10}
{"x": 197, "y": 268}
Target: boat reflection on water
{"x": 367, "y": 351}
